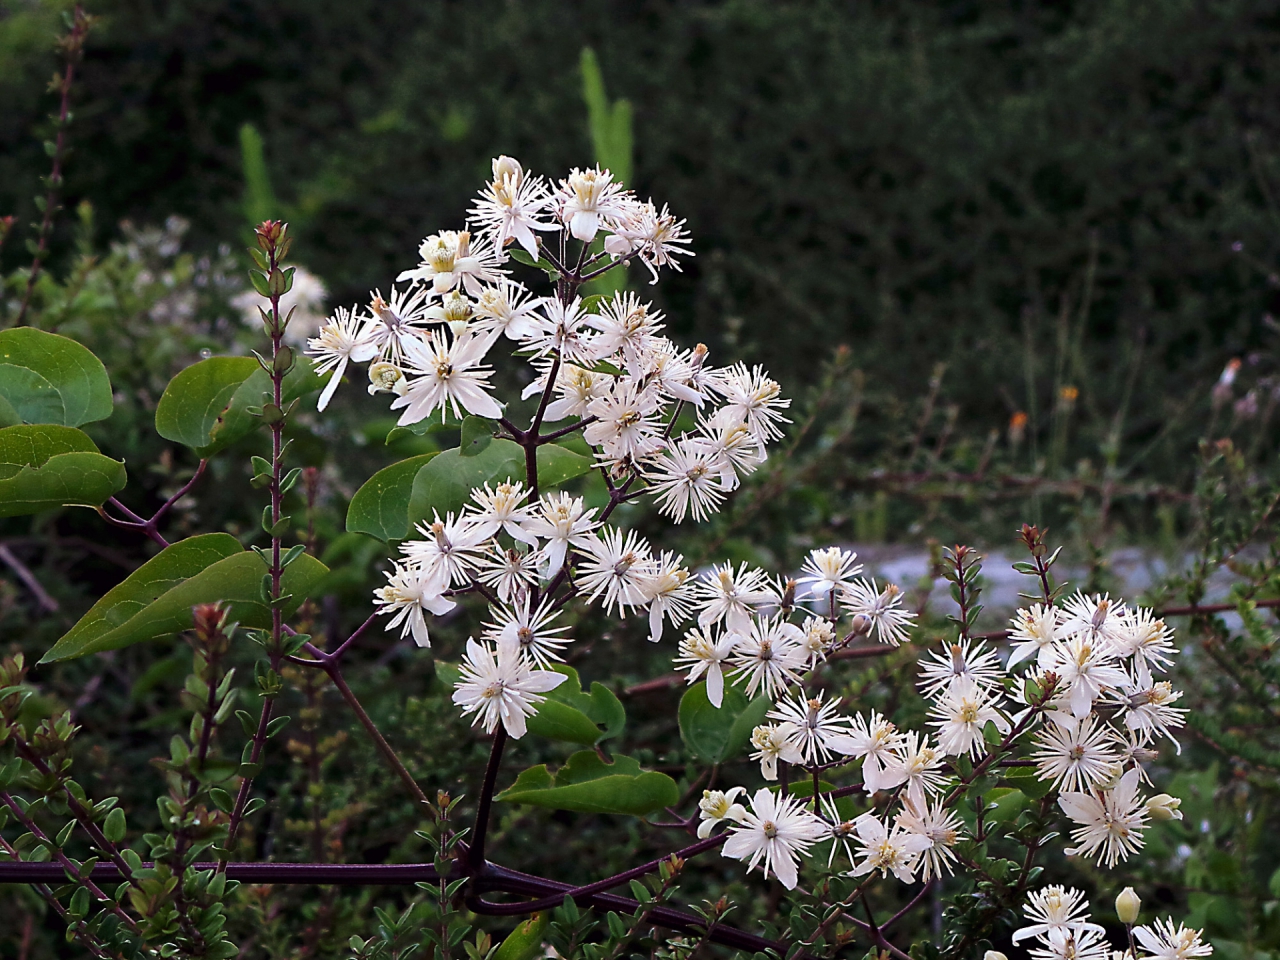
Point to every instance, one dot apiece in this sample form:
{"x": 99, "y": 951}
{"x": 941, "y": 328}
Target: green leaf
{"x": 82, "y": 479}
{"x": 195, "y": 398}
{"x": 1008, "y": 804}
{"x": 556, "y": 465}
{"x": 804, "y": 788}
{"x": 155, "y": 601}
{"x": 445, "y": 484}
{"x": 586, "y": 784}
{"x": 47, "y": 378}
{"x": 477, "y": 434}
{"x": 718, "y": 735}
{"x": 32, "y": 444}
{"x": 569, "y": 714}
{"x": 1027, "y": 782}
{"x": 525, "y": 941}
{"x": 8, "y": 415}
{"x": 206, "y": 406}
{"x": 113, "y": 827}
{"x": 380, "y": 507}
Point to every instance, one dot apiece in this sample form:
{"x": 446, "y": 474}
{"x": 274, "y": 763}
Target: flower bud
{"x": 1128, "y": 904}
{"x": 504, "y": 167}
{"x": 1164, "y": 807}
{"x": 994, "y": 955}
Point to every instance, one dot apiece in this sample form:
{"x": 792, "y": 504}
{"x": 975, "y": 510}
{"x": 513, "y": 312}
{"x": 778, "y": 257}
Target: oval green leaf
{"x": 81, "y": 479}
{"x": 716, "y": 735}
{"x": 47, "y": 378}
{"x": 525, "y": 941}
{"x": 32, "y": 444}
{"x": 156, "y": 600}
{"x": 556, "y": 465}
{"x": 586, "y": 784}
{"x": 380, "y": 507}
{"x": 445, "y": 484}
{"x": 194, "y": 399}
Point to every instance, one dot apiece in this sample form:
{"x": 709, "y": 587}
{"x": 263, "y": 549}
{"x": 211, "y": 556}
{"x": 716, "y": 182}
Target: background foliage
{"x": 991, "y": 205}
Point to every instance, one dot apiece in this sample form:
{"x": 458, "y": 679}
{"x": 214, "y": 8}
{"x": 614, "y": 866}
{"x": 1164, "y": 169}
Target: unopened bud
{"x": 1164, "y": 807}
{"x": 994, "y": 955}
{"x": 504, "y": 167}
{"x": 1128, "y": 904}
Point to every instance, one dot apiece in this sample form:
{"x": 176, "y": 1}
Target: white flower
{"x": 717, "y": 806}
{"x": 773, "y": 742}
{"x": 1147, "y": 640}
{"x": 1163, "y": 942}
{"x": 626, "y": 424}
{"x": 1078, "y": 756}
{"x": 754, "y": 399}
{"x": 334, "y": 347}
{"x": 589, "y": 196}
{"x": 502, "y": 688}
{"x": 769, "y": 656}
{"x": 392, "y": 327}
{"x": 668, "y": 592}
{"x": 778, "y": 830}
{"x": 528, "y": 631}
{"x": 509, "y": 572}
{"x": 450, "y": 258}
{"x": 876, "y": 741}
{"x": 819, "y": 634}
{"x": 501, "y": 509}
{"x": 657, "y": 237}
{"x": 576, "y": 387}
{"x": 685, "y": 481}
{"x": 617, "y": 566}
{"x": 842, "y": 833}
{"x": 826, "y": 572}
{"x": 961, "y": 715}
{"x": 919, "y": 766}
{"x": 941, "y": 827}
{"x": 450, "y": 548}
{"x": 817, "y": 729}
{"x": 960, "y": 662}
{"x": 627, "y": 327}
{"x": 1055, "y": 908}
{"x": 1148, "y": 708}
{"x": 1096, "y": 619}
{"x": 882, "y": 609}
{"x": 1034, "y": 631}
{"x": 509, "y": 205}
{"x": 1085, "y": 670}
{"x": 410, "y": 591}
{"x": 1065, "y": 945}
{"x": 562, "y": 329}
{"x": 505, "y": 307}
{"x": 448, "y": 374}
{"x": 1110, "y": 821}
{"x": 888, "y": 850}
{"x": 562, "y": 521}
{"x": 731, "y": 597}
{"x": 704, "y": 654}
{"x": 732, "y": 447}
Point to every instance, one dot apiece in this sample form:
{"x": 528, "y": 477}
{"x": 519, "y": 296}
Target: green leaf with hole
{"x": 445, "y": 484}
{"x": 525, "y": 941}
{"x": 155, "y": 601}
{"x": 46, "y": 466}
{"x": 717, "y": 735}
{"x": 47, "y": 378}
{"x": 193, "y": 401}
{"x": 477, "y": 434}
{"x": 586, "y": 784}
{"x": 206, "y": 406}
{"x": 571, "y": 715}
{"x": 380, "y": 507}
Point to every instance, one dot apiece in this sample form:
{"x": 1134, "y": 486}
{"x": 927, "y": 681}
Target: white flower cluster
{"x": 1088, "y": 711}
{"x": 1061, "y": 930}
{"x": 601, "y": 363}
